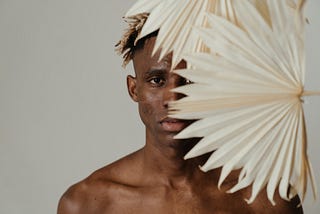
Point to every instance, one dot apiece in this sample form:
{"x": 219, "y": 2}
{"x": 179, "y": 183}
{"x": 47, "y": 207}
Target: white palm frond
{"x": 247, "y": 98}
{"x": 175, "y": 19}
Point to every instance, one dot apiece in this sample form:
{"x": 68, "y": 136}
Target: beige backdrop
{"x": 64, "y": 109}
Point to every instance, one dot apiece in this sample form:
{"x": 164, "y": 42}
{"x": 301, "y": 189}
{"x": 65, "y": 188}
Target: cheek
{"x": 145, "y": 111}
{"x": 149, "y": 107}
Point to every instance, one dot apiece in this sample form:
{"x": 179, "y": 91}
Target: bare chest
{"x": 161, "y": 201}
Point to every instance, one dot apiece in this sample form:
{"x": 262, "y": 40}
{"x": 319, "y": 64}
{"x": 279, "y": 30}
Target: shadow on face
{"x": 151, "y": 89}
{"x": 152, "y": 73}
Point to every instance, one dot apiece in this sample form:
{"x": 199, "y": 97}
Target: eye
{"x": 157, "y": 81}
{"x": 186, "y": 81}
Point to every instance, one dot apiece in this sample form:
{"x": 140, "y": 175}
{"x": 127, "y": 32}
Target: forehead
{"x": 143, "y": 60}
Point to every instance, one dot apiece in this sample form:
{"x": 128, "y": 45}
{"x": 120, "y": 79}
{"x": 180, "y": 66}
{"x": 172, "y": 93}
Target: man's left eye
{"x": 186, "y": 81}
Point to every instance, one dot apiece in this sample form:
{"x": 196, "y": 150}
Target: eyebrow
{"x": 154, "y": 72}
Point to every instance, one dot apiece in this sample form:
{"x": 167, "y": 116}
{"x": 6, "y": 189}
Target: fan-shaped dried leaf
{"x": 247, "y": 97}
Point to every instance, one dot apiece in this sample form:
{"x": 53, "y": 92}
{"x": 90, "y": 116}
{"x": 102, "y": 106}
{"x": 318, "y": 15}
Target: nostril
{"x": 172, "y": 96}
{"x": 169, "y": 97}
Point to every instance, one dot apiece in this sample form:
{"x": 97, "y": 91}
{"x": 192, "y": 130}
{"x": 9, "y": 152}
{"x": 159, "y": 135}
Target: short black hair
{"x": 129, "y": 44}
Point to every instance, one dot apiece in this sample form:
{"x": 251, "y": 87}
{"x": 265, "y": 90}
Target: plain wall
{"x": 64, "y": 107}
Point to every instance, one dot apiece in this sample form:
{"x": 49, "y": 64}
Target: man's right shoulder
{"x": 87, "y": 195}
{"x": 98, "y": 190}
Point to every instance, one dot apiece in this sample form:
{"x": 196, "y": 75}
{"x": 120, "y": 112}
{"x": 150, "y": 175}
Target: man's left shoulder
{"x": 263, "y": 205}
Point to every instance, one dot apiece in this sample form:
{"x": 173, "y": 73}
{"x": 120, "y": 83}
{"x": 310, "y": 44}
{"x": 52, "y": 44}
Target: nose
{"x": 168, "y": 95}
{"x": 174, "y": 81}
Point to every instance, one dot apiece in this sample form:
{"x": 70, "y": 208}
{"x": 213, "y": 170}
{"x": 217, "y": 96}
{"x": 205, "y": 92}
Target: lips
{"x": 173, "y": 125}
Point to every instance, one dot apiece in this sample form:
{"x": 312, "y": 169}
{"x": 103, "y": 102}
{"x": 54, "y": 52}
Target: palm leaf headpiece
{"x": 175, "y": 20}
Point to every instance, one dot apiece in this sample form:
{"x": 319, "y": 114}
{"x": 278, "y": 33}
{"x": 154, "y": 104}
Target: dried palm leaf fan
{"x": 175, "y": 19}
{"x": 247, "y": 97}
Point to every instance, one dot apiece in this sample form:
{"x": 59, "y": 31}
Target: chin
{"x": 170, "y": 141}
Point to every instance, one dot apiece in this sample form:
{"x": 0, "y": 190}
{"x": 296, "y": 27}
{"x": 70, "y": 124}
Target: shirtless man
{"x": 156, "y": 179}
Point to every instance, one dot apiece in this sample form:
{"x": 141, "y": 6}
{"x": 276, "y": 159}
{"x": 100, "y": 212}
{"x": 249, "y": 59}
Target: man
{"x": 156, "y": 179}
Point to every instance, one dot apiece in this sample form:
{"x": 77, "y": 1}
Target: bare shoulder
{"x": 97, "y": 193}
{"x": 263, "y": 205}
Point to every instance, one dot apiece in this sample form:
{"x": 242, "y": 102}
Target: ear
{"x": 132, "y": 87}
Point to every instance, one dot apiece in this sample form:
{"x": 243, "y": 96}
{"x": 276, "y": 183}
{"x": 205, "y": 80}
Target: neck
{"x": 165, "y": 160}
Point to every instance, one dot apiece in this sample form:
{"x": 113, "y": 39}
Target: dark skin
{"x": 156, "y": 179}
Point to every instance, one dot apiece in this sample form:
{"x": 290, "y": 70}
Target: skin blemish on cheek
{"x": 146, "y": 110}
{"x": 150, "y": 106}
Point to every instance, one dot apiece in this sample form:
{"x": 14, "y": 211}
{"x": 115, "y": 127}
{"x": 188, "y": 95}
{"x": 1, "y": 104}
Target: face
{"x": 151, "y": 88}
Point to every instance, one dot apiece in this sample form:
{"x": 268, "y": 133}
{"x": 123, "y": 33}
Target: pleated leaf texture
{"x": 247, "y": 99}
{"x": 175, "y": 20}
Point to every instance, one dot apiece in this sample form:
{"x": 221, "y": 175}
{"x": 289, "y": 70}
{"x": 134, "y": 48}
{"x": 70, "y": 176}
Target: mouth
{"x": 173, "y": 125}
